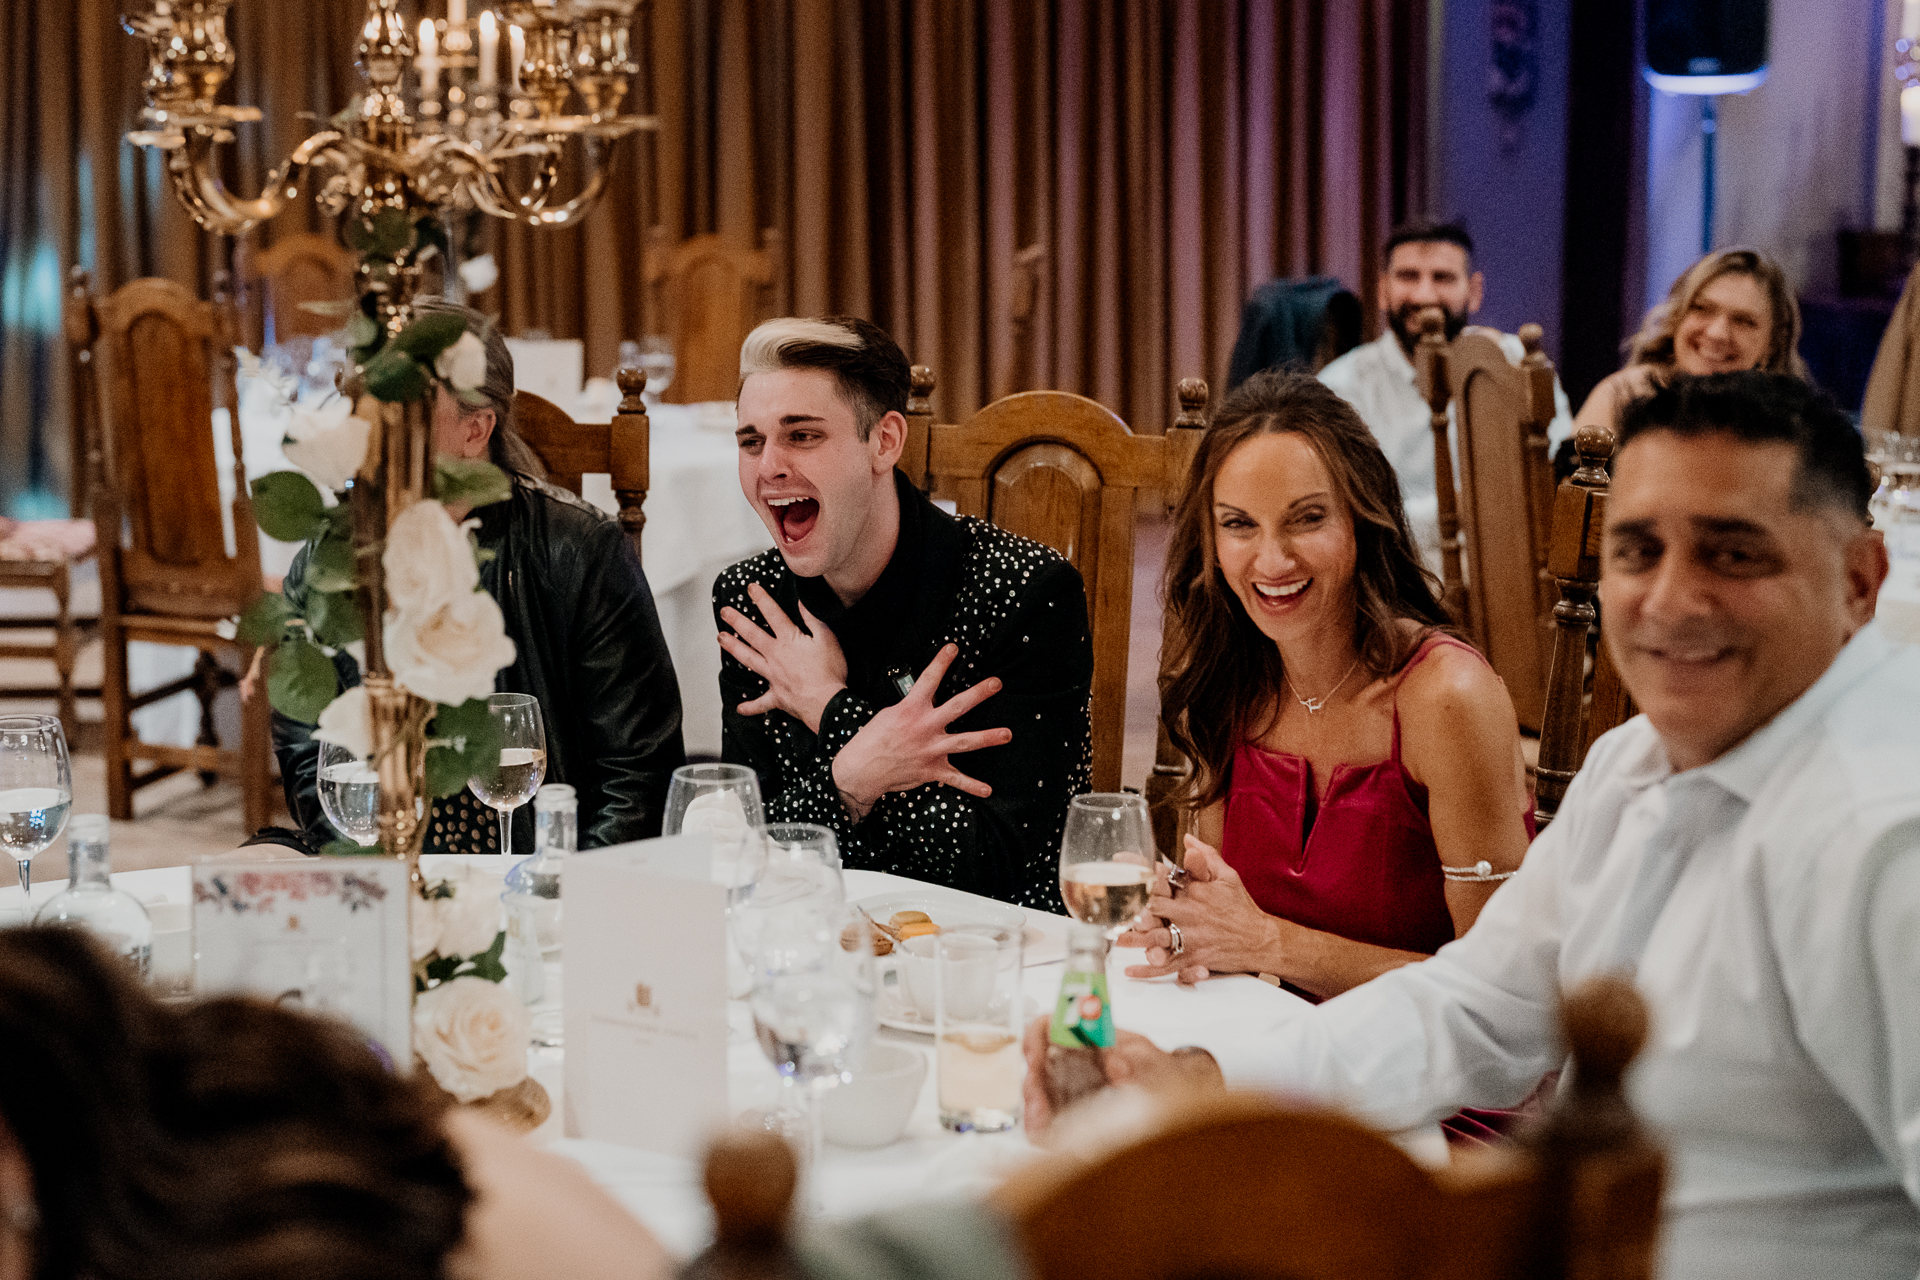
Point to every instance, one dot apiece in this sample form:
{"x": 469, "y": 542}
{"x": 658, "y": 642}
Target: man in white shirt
{"x": 1426, "y": 265}
{"x": 1748, "y": 848}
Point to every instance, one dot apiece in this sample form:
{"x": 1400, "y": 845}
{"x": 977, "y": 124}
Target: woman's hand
{"x": 1222, "y": 930}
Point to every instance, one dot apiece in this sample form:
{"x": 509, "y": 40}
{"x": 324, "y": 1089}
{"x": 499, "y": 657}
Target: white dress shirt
{"x": 1378, "y": 380}
{"x": 1771, "y": 900}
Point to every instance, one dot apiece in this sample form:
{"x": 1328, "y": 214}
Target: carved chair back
{"x": 571, "y": 450}
{"x": 301, "y": 268}
{"x": 710, "y": 293}
{"x": 1578, "y": 708}
{"x": 1496, "y": 504}
{"x": 1062, "y": 470}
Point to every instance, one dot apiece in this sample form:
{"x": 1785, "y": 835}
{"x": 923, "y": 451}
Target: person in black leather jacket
{"x": 587, "y": 640}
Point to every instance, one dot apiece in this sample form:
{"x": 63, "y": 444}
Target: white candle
{"x": 516, "y": 52}
{"x": 456, "y": 12}
{"x": 489, "y": 48}
{"x": 1910, "y": 115}
{"x": 1910, "y": 20}
{"x": 429, "y": 60}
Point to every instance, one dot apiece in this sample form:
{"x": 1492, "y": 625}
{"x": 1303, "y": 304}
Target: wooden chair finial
{"x": 1606, "y": 1027}
{"x": 1531, "y": 335}
{"x": 1432, "y": 323}
{"x": 1193, "y": 394}
{"x": 1594, "y": 445}
{"x": 750, "y": 1180}
{"x": 632, "y": 383}
{"x": 920, "y": 389}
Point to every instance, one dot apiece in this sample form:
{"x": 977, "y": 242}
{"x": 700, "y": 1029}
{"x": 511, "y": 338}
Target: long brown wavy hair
{"x": 1226, "y": 676}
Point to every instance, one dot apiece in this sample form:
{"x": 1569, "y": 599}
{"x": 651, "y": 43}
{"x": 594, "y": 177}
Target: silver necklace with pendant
{"x": 1315, "y": 705}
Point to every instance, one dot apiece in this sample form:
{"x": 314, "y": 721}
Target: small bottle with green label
{"x": 1082, "y": 1028}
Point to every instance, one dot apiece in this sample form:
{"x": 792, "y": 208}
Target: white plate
{"x": 945, "y": 907}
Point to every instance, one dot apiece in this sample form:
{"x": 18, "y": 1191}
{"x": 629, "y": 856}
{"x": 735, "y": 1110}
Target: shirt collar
{"x": 1744, "y": 770}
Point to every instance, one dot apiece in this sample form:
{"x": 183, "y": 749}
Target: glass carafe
{"x": 90, "y": 900}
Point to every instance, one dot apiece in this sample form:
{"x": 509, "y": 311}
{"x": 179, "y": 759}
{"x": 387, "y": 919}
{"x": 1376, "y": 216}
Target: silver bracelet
{"x": 1481, "y": 872}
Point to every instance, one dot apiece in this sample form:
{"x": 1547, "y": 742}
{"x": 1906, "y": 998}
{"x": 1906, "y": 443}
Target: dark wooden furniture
{"x": 1063, "y": 470}
{"x": 158, "y": 359}
{"x": 571, "y": 450}
{"x": 710, "y": 293}
{"x": 1576, "y": 711}
{"x": 298, "y": 269}
{"x": 1238, "y": 1185}
{"x": 1496, "y": 505}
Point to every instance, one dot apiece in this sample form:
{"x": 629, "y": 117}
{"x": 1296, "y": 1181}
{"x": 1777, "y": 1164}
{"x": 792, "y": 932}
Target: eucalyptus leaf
{"x": 395, "y": 376}
{"x": 474, "y": 481}
{"x": 362, "y": 330}
{"x": 468, "y": 744}
{"x": 265, "y": 620}
{"x": 288, "y": 506}
{"x": 330, "y": 565}
{"x": 301, "y": 680}
{"x": 440, "y": 968}
{"x": 389, "y": 233}
{"x": 487, "y": 964}
{"x": 348, "y": 849}
{"x": 431, "y": 334}
{"x": 334, "y": 618}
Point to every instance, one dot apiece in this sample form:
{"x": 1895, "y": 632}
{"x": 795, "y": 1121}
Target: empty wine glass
{"x": 349, "y": 794}
{"x": 1106, "y": 860}
{"x": 723, "y": 801}
{"x": 655, "y": 357}
{"x": 813, "y": 1003}
{"x": 523, "y": 760}
{"x": 36, "y": 788}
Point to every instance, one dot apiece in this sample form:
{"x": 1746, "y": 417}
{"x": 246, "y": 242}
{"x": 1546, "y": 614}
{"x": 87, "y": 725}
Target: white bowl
{"x": 872, "y": 1109}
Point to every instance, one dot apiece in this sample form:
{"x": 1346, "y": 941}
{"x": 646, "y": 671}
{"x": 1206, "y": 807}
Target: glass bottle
{"x": 1082, "y": 1027}
{"x": 90, "y": 900}
{"x": 533, "y": 888}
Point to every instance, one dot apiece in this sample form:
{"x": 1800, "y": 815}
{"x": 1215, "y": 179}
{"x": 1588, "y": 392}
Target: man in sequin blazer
{"x": 914, "y": 680}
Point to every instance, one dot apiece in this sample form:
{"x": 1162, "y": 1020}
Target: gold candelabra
{"x": 386, "y": 165}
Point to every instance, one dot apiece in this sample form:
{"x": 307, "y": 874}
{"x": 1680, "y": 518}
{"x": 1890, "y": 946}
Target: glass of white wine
{"x": 523, "y": 760}
{"x": 1106, "y": 860}
{"x": 36, "y": 788}
{"x": 349, "y": 794}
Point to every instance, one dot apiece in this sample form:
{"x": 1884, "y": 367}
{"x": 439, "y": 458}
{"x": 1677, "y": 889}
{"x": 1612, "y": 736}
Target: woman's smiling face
{"x": 1283, "y": 537}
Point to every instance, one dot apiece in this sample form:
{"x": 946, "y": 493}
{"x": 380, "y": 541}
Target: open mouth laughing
{"x": 795, "y": 516}
{"x": 1279, "y": 595}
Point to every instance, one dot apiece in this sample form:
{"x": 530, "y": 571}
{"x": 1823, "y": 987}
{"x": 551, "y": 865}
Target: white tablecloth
{"x": 927, "y": 1162}
{"x": 698, "y": 523}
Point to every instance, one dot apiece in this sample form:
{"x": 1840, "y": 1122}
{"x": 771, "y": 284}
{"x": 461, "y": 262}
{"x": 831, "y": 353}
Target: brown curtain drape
{"x": 1162, "y": 156}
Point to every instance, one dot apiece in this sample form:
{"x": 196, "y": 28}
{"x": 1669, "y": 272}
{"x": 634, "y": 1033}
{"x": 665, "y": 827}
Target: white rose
{"x": 348, "y": 722}
{"x": 479, "y": 274}
{"x": 327, "y": 442}
{"x": 470, "y": 919}
{"x": 472, "y": 1034}
{"x": 423, "y": 928}
{"x": 450, "y": 652}
{"x": 428, "y": 559}
{"x": 464, "y": 364}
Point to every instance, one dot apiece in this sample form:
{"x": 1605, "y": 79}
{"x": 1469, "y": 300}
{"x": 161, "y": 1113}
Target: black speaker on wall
{"x": 1706, "y": 46}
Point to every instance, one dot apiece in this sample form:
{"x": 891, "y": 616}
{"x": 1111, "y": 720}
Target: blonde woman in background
{"x": 1731, "y": 310}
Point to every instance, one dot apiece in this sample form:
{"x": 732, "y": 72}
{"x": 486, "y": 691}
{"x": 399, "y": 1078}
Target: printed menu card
{"x": 644, "y": 934}
{"x": 326, "y": 934}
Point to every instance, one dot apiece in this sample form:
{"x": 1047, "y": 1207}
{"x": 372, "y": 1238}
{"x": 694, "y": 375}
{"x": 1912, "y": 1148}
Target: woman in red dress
{"x": 1358, "y": 791}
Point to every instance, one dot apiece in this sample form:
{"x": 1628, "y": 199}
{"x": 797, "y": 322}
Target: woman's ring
{"x": 1176, "y": 880}
{"x": 1179, "y": 943}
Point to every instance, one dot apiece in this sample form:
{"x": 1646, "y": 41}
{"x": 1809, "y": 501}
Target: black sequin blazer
{"x": 1016, "y": 610}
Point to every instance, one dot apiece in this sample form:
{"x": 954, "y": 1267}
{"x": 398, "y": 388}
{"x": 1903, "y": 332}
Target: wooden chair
{"x": 570, "y": 450}
{"x": 300, "y": 268}
{"x": 1063, "y": 470}
{"x": 1501, "y": 511}
{"x": 1574, "y": 714}
{"x": 42, "y": 555}
{"x": 710, "y": 293}
{"x": 157, "y": 356}
{"x": 1264, "y": 1191}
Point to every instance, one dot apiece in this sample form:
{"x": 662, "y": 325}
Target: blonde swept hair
{"x": 868, "y": 365}
{"x": 1654, "y": 343}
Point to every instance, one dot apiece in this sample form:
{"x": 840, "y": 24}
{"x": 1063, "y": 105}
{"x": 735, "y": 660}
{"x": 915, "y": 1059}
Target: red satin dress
{"x": 1359, "y": 861}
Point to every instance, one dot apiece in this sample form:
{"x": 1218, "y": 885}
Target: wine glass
{"x": 794, "y": 866}
{"x": 656, "y": 359}
{"x": 722, "y": 800}
{"x": 813, "y": 1003}
{"x": 349, "y": 794}
{"x": 523, "y": 760}
{"x": 36, "y": 788}
{"x": 1106, "y": 860}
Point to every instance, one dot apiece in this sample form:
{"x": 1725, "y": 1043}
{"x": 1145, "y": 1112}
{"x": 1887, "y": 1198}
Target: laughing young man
{"x": 914, "y": 680}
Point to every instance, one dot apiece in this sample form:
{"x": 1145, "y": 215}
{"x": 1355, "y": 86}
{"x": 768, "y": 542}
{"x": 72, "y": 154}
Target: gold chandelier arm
{"x": 190, "y": 172}
{"x": 530, "y": 208}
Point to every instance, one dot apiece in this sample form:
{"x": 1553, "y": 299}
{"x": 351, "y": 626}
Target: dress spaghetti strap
{"x": 1434, "y": 640}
